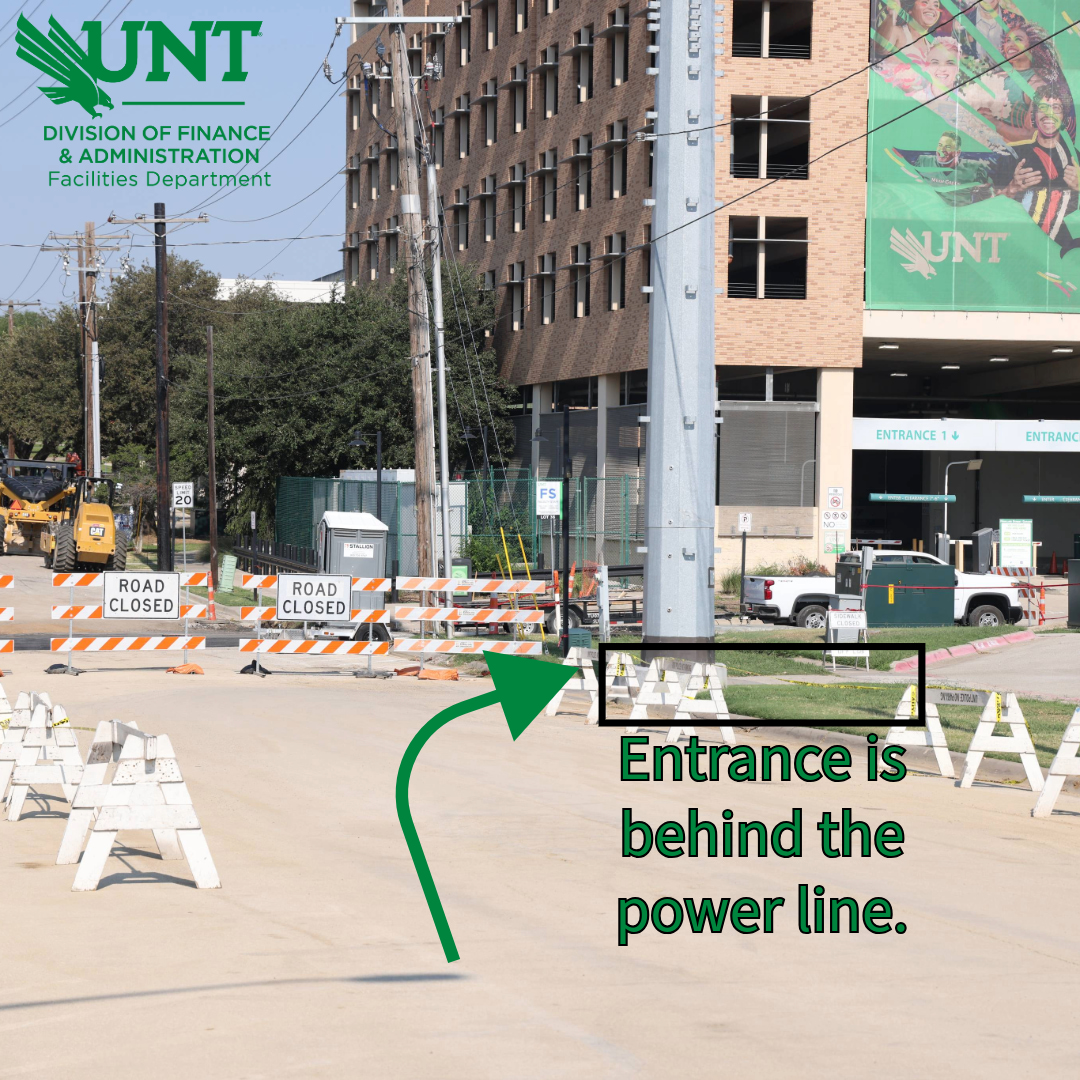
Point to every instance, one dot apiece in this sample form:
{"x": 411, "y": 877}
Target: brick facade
{"x": 824, "y": 330}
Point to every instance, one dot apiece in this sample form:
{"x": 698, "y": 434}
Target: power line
{"x": 325, "y": 207}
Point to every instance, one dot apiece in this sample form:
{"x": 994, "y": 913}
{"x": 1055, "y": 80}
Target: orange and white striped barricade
{"x": 72, "y": 611}
{"x": 454, "y": 616}
{"x": 146, "y": 791}
{"x": 583, "y": 682}
{"x": 425, "y": 646}
{"x": 472, "y": 585}
{"x": 48, "y": 756}
{"x": 932, "y": 736}
{"x": 263, "y": 614}
{"x": 7, "y": 581}
{"x": 1064, "y": 765}
{"x": 1017, "y": 742}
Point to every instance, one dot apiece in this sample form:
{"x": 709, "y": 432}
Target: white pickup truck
{"x": 980, "y": 599}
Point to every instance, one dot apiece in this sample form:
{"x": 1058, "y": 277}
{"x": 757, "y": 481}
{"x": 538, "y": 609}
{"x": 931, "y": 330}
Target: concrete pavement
{"x": 1047, "y": 667}
{"x": 318, "y": 957}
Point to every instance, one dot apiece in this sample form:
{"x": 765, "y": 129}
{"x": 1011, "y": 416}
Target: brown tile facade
{"x": 824, "y": 330}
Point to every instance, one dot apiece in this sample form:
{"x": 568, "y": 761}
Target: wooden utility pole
{"x": 419, "y": 328}
{"x": 212, "y": 461}
{"x": 88, "y": 271}
{"x": 161, "y": 370}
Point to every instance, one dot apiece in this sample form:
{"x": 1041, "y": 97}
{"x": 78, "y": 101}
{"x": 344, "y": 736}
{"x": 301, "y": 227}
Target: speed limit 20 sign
{"x": 183, "y": 495}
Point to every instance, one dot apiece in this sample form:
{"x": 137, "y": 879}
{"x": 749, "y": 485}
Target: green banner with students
{"x": 974, "y": 185}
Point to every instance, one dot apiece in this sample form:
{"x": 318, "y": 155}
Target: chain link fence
{"x": 606, "y": 518}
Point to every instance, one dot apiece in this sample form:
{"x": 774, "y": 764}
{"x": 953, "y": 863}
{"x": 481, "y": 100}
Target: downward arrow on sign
{"x": 522, "y": 687}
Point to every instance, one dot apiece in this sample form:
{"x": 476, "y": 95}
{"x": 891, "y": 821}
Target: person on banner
{"x": 1045, "y": 180}
{"x": 960, "y": 179}
{"x": 903, "y": 22}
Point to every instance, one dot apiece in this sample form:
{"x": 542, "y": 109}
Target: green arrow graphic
{"x": 522, "y": 687}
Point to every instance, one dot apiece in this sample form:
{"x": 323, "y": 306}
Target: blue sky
{"x": 295, "y": 38}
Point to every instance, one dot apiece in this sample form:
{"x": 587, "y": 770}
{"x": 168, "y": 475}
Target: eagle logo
{"x": 909, "y": 248}
{"x": 60, "y": 56}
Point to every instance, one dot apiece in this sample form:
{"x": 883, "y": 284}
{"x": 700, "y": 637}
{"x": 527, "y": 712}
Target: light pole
{"x": 973, "y": 465}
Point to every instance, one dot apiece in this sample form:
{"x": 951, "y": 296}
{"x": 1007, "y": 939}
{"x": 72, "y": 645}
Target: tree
{"x": 41, "y": 403}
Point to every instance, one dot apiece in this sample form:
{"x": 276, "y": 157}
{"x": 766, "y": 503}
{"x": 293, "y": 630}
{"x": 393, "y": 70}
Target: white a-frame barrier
{"x": 1018, "y": 742}
{"x": 584, "y": 682}
{"x": 1064, "y": 765}
{"x": 678, "y": 682}
{"x": 47, "y": 756}
{"x": 930, "y": 736}
{"x": 147, "y": 791}
{"x": 13, "y": 725}
{"x": 621, "y": 678}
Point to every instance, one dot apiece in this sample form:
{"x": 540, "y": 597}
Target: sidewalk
{"x": 1047, "y": 667}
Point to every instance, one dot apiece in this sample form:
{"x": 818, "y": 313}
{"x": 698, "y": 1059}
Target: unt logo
{"x": 79, "y": 72}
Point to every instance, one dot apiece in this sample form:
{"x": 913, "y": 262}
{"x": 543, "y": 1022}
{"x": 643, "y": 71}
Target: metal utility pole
{"x": 567, "y": 475}
{"x": 161, "y": 374}
{"x": 680, "y": 460}
{"x": 419, "y": 329}
{"x": 435, "y": 227}
{"x": 211, "y": 456}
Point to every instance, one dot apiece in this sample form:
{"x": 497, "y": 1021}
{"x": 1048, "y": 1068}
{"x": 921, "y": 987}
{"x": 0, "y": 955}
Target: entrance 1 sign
{"x": 549, "y": 498}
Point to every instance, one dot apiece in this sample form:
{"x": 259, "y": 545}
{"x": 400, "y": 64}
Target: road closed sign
{"x": 138, "y": 595}
{"x": 314, "y": 597}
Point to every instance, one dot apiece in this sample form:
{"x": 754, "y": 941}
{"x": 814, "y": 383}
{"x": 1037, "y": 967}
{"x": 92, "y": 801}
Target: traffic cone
{"x": 1042, "y": 604}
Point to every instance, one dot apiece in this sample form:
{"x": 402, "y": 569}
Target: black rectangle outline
{"x": 758, "y": 646}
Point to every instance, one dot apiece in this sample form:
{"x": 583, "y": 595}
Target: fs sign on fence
{"x": 322, "y": 597}
{"x": 137, "y": 595}
{"x": 549, "y": 498}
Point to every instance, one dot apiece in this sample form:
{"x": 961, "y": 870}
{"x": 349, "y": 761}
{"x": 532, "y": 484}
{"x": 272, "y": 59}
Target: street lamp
{"x": 360, "y": 440}
{"x": 973, "y": 465}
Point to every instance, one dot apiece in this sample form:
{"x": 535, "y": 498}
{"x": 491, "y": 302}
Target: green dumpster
{"x": 922, "y": 595}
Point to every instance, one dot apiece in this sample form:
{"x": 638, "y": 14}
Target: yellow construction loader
{"x": 31, "y": 498}
{"x": 85, "y": 537}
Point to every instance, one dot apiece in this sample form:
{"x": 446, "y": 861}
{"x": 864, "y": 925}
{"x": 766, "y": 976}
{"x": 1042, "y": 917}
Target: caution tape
{"x": 126, "y": 644}
{"x": 459, "y": 645}
{"x": 313, "y": 648}
{"x": 474, "y": 615}
{"x": 96, "y": 611}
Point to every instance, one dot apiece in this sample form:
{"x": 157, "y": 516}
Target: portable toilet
{"x": 353, "y": 543}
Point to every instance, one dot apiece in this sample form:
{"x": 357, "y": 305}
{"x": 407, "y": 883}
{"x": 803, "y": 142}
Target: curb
{"x": 968, "y": 649}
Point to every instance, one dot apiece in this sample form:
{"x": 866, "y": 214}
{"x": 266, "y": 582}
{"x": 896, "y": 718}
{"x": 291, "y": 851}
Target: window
{"x": 549, "y": 67}
{"x": 616, "y": 143}
{"x": 354, "y": 108}
{"x": 618, "y": 35}
{"x": 354, "y": 188}
{"x": 373, "y": 252}
{"x": 517, "y": 295}
{"x": 392, "y": 161}
{"x": 646, "y": 262}
{"x": 374, "y": 97}
{"x": 517, "y": 195}
{"x": 575, "y": 393}
{"x": 582, "y": 51}
{"x": 463, "y": 116}
{"x": 438, "y": 43}
{"x": 768, "y": 258}
{"x": 461, "y": 218}
{"x": 549, "y": 172}
{"x": 550, "y": 6}
{"x": 518, "y": 86}
{"x": 491, "y": 112}
{"x": 521, "y": 16}
{"x": 582, "y": 165}
{"x": 491, "y": 20}
{"x": 616, "y": 271}
{"x": 634, "y": 387}
{"x": 651, "y": 49}
{"x": 415, "y": 52}
{"x": 489, "y": 281}
{"x": 373, "y": 170}
{"x": 464, "y": 33}
{"x": 437, "y": 141}
{"x": 580, "y": 267}
{"x": 391, "y": 244}
{"x": 545, "y": 274}
{"x": 487, "y": 201}
{"x": 772, "y": 28}
{"x": 650, "y": 127}
{"x": 770, "y": 137}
